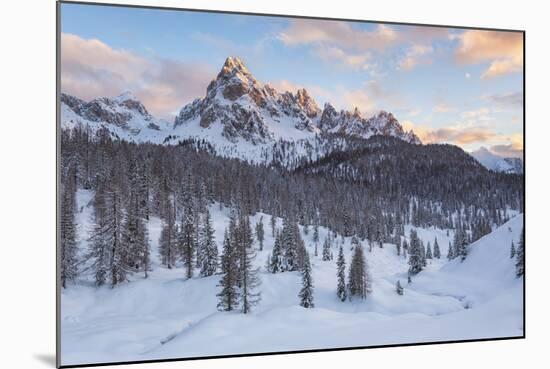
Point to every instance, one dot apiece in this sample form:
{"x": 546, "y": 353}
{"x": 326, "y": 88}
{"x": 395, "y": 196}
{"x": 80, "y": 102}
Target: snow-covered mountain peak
{"x": 498, "y": 163}
{"x": 307, "y": 103}
{"x": 238, "y": 115}
{"x": 124, "y": 116}
{"x": 233, "y": 65}
{"x": 125, "y": 96}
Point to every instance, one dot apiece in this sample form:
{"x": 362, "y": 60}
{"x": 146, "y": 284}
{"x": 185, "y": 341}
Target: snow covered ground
{"x": 166, "y": 316}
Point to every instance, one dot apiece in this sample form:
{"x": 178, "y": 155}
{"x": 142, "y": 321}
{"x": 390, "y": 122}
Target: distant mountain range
{"x": 244, "y": 118}
{"x": 498, "y": 163}
{"x": 236, "y": 111}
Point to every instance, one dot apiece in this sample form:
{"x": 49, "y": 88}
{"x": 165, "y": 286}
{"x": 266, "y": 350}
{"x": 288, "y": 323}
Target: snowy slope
{"x": 166, "y": 316}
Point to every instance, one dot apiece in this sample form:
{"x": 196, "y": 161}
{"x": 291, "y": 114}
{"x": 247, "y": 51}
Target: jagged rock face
{"x": 306, "y": 102}
{"x": 241, "y": 108}
{"x": 72, "y": 102}
{"x": 329, "y": 118}
{"x": 354, "y": 124}
{"x": 117, "y": 111}
{"x": 246, "y": 108}
{"x": 125, "y": 112}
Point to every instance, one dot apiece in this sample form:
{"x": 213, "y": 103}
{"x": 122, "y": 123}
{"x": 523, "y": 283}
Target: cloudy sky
{"x": 450, "y": 85}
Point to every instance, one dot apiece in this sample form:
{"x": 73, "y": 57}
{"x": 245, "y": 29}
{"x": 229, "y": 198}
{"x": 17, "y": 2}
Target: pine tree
{"x": 306, "y": 293}
{"x": 512, "y": 250}
{"x": 276, "y": 261}
{"x": 359, "y": 280}
{"x": 67, "y": 227}
{"x": 289, "y": 236}
{"x": 429, "y": 251}
{"x": 461, "y": 243}
{"x": 168, "y": 241}
{"x": 416, "y": 260}
{"x": 316, "y": 233}
{"x": 341, "y": 275}
{"x": 186, "y": 241}
{"x": 520, "y": 255}
{"x": 107, "y": 251}
{"x": 208, "y": 249}
{"x": 399, "y": 288}
{"x": 135, "y": 236}
{"x": 260, "y": 232}
{"x": 316, "y": 250}
{"x": 437, "y": 251}
{"x": 249, "y": 279}
{"x": 450, "y": 252}
{"x": 273, "y": 222}
{"x": 326, "y": 250}
{"x": 228, "y": 297}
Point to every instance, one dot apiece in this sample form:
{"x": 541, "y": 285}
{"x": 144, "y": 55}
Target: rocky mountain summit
{"x": 258, "y": 113}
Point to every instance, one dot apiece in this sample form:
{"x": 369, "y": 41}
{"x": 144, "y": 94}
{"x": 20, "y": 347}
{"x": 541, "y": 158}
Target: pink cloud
{"x": 503, "y": 50}
{"x": 90, "y": 68}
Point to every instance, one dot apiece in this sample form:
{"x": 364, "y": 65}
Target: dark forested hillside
{"x": 371, "y": 188}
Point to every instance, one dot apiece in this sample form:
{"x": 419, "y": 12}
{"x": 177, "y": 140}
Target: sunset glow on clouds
{"x": 463, "y": 87}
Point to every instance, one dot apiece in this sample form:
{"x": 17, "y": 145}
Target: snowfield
{"x": 166, "y": 316}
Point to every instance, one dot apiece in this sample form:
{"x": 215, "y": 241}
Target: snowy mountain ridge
{"x": 124, "y": 116}
{"x": 498, "y": 163}
{"x": 239, "y": 116}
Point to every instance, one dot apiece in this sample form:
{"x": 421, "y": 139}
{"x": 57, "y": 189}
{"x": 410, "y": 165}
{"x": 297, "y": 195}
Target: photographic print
{"x": 242, "y": 184}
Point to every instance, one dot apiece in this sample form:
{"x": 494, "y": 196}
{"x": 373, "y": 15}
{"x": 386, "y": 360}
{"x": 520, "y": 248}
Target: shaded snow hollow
{"x": 166, "y": 316}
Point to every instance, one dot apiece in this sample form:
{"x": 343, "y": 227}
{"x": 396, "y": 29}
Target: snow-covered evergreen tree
{"x": 249, "y": 279}
{"x": 108, "y": 251}
{"x": 276, "y": 264}
{"x": 423, "y": 253}
{"x": 460, "y": 243}
{"x": 306, "y": 293}
{"x": 341, "y": 275}
{"x": 228, "y": 297}
{"x": 316, "y": 234}
{"x": 437, "y": 251}
{"x": 168, "y": 248}
{"x": 67, "y": 230}
{"x": 208, "y": 250}
{"x": 520, "y": 255}
{"x": 359, "y": 280}
{"x": 290, "y": 235}
{"x": 135, "y": 236}
{"x": 273, "y": 223}
{"x": 260, "y": 232}
{"x": 512, "y": 250}
{"x": 416, "y": 260}
{"x": 326, "y": 250}
{"x": 450, "y": 252}
{"x": 187, "y": 238}
{"x": 429, "y": 251}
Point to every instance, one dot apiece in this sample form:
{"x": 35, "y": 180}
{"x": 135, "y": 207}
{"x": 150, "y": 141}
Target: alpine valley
{"x": 258, "y": 221}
